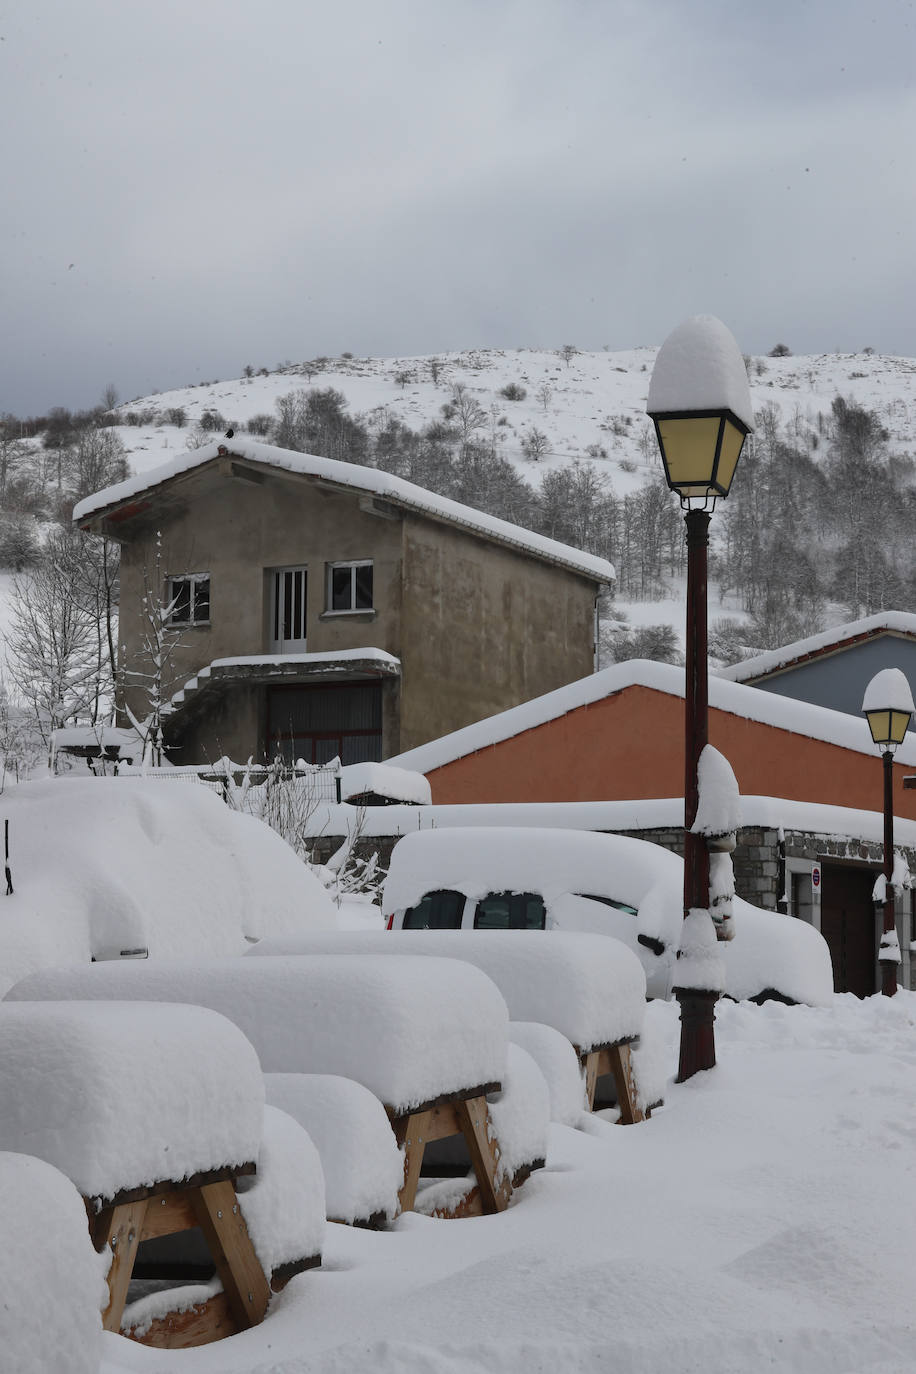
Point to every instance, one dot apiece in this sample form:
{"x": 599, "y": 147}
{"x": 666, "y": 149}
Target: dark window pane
{"x": 610, "y": 901}
{"x": 361, "y": 749}
{"x": 437, "y": 911}
{"x": 202, "y": 599}
{"x": 510, "y": 911}
{"x": 340, "y": 589}
{"x": 364, "y": 587}
{"x": 181, "y": 597}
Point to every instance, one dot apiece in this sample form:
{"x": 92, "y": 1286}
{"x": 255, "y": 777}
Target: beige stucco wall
{"x": 494, "y": 628}
{"x": 478, "y": 628}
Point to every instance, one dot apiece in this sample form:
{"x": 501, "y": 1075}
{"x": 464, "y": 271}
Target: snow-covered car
{"x": 519, "y": 878}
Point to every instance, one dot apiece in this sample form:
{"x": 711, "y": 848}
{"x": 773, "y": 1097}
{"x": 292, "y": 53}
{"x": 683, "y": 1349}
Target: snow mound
{"x": 52, "y": 1280}
{"x": 101, "y": 866}
{"x": 122, "y": 1096}
{"x": 363, "y": 1167}
{"x": 408, "y": 1029}
{"x": 772, "y": 952}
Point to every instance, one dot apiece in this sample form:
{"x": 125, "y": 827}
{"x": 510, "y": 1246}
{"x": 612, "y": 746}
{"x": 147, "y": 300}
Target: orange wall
{"x": 631, "y": 745}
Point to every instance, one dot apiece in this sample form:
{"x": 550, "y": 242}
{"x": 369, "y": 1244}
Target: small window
{"x": 610, "y": 901}
{"x": 437, "y": 911}
{"x": 189, "y": 598}
{"x": 350, "y": 586}
{"x": 510, "y": 911}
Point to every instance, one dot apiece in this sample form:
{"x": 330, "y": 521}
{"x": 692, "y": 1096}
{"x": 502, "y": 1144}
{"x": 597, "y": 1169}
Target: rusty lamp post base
{"x": 698, "y": 1044}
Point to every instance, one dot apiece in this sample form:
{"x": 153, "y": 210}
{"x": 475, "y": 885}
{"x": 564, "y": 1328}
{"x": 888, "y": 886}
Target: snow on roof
{"x": 895, "y": 622}
{"x": 360, "y": 779}
{"x": 700, "y": 367}
{"x": 380, "y": 484}
{"x": 656, "y": 813}
{"x": 785, "y": 713}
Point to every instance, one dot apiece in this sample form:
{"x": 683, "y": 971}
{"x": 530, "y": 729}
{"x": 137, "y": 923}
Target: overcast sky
{"x": 192, "y": 186}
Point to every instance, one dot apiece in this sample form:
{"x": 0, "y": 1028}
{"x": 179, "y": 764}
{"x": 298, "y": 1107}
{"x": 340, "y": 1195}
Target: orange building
{"x": 619, "y": 735}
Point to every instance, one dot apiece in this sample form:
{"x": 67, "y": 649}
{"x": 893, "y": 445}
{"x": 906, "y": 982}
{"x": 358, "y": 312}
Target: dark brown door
{"x": 848, "y": 926}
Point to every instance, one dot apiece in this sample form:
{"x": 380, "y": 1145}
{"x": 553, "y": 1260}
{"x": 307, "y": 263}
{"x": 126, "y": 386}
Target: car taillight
{"x": 389, "y": 924}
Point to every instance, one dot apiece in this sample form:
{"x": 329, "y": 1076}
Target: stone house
{"x": 325, "y": 609}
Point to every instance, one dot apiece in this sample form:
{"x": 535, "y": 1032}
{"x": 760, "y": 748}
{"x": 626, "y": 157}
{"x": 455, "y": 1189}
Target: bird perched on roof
{"x": 229, "y": 432}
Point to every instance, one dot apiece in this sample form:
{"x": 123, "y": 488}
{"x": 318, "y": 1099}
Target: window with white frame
{"x": 189, "y": 599}
{"x": 350, "y": 586}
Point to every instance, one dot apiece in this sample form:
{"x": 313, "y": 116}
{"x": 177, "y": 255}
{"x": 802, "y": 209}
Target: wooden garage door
{"x": 848, "y": 926}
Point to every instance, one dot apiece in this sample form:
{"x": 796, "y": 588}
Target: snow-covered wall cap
{"x": 371, "y": 480}
{"x": 889, "y": 691}
{"x": 899, "y": 622}
{"x": 719, "y": 809}
{"x": 700, "y": 367}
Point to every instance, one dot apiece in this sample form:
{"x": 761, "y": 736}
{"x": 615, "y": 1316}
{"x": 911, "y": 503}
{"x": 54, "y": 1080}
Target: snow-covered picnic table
{"x": 428, "y": 1037}
{"x": 590, "y": 988}
{"x": 155, "y": 1113}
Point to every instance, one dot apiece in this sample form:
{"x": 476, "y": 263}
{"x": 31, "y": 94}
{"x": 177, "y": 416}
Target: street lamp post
{"x": 700, "y": 402}
{"x": 888, "y": 707}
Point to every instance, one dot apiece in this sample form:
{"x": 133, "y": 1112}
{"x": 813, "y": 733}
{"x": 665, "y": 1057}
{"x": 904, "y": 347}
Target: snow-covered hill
{"x": 593, "y": 405}
{"x": 588, "y": 406}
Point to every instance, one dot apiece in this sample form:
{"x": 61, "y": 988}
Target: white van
{"x": 520, "y": 878}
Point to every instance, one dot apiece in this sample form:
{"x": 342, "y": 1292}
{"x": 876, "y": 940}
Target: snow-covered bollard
{"x": 717, "y": 820}
{"x": 52, "y": 1280}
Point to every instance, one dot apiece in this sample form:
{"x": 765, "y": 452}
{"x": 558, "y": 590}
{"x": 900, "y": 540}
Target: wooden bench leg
{"x": 411, "y": 1132}
{"x": 625, "y": 1082}
{"x": 220, "y": 1218}
{"x": 122, "y": 1233}
{"x": 474, "y": 1119}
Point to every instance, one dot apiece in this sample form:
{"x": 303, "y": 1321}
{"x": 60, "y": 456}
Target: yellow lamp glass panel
{"x": 879, "y": 722}
{"x": 899, "y": 722}
{"x": 732, "y": 443}
{"x": 689, "y": 449}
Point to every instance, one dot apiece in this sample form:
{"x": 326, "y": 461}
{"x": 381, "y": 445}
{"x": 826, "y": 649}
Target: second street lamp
{"x": 888, "y": 708}
{"x": 700, "y": 402}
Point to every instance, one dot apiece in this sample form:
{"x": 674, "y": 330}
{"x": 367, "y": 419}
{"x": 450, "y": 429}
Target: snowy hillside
{"x": 580, "y": 406}
{"x": 593, "y": 406}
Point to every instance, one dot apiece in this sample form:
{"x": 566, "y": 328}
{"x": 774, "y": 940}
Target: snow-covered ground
{"x": 759, "y": 1220}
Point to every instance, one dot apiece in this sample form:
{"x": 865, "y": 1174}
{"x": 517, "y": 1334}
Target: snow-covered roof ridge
{"x": 371, "y": 480}
{"x": 799, "y": 717}
{"x": 899, "y": 622}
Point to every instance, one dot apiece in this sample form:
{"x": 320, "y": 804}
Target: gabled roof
{"x": 832, "y": 641}
{"x": 382, "y": 485}
{"x": 785, "y": 713}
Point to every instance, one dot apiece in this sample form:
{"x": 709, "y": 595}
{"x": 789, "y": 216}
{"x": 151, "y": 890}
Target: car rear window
{"x": 510, "y": 911}
{"x": 441, "y": 910}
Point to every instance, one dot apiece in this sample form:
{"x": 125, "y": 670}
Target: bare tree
{"x": 544, "y": 394}
{"x": 110, "y": 396}
{"x": 51, "y": 643}
{"x": 467, "y": 413}
{"x": 568, "y": 351}
{"x": 153, "y": 675}
{"x": 534, "y": 444}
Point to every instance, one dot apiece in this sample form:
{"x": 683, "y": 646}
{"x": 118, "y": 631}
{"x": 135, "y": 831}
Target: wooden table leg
{"x": 484, "y": 1152}
{"x": 220, "y": 1218}
{"x": 625, "y": 1082}
{"x": 123, "y": 1235}
{"x": 411, "y": 1132}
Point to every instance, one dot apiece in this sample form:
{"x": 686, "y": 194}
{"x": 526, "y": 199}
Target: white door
{"x": 287, "y": 610}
